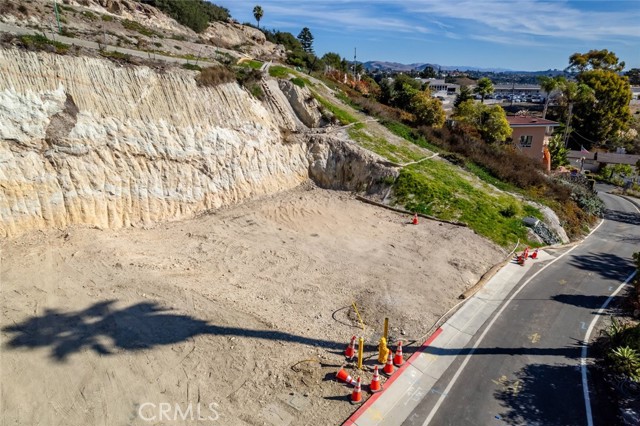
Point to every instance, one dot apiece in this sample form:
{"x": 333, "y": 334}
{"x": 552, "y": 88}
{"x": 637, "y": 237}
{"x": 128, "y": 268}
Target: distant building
{"x": 594, "y": 160}
{"x": 438, "y": 85}
{"x": 518, "y": 89}
{"x": 531, "y": 134}
{"x": 635, "y": 95}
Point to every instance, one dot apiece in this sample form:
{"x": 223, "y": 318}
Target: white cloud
{"x": 337, "y": 16}
{"x": 532, "y": 17}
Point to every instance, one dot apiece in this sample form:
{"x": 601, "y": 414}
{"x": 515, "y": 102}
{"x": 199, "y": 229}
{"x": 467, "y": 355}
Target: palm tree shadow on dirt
{"x": 107, "y": 330}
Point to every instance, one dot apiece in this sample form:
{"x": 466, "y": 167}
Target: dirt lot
{"x": 243, "y": 313}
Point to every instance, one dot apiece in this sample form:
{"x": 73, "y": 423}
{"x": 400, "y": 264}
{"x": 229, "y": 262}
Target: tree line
{"x": 195, "y": 14}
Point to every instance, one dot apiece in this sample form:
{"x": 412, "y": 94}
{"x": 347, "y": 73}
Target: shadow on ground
{"x": 624, "y": 217}
{"x": 581, "y": 300}
{"x": 570, "y": 352}
{"x": 607, "y": 265}
{"x": 549, "y": 395}
{"x": 107, "y": 330}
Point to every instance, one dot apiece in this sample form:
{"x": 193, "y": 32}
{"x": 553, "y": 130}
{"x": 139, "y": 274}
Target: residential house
{"x": 531, "y": 134}
{"x": 592, "y": 161}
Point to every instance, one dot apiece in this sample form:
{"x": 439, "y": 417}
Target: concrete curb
{"x": 352, "y": 419}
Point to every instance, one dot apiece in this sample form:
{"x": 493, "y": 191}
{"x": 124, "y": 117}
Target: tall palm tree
{"x": 573, "y": 92}
{"x": 258, "y": 13}
{"x": 549, "y": 84}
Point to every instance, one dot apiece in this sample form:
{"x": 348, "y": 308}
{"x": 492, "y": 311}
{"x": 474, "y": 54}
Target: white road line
{"x": 484, "y": 333}
{"x": 585, "y": 342}
{"x": 587, "y": 337}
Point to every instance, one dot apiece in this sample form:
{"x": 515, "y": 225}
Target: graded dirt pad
{"x": 240, "y": 316}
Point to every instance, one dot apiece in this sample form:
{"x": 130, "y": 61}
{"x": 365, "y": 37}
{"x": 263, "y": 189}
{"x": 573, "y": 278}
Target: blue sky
{"x": 519, "y": 34}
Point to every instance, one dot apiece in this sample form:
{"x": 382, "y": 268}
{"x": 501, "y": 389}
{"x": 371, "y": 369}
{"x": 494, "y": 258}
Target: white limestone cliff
{"x": 87, "y": 141}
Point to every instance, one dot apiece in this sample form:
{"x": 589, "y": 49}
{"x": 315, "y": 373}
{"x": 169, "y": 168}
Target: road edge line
{"x": 486, "y": 330}
{"x": 587, "y": 336}
{"x": 585, "y": 347}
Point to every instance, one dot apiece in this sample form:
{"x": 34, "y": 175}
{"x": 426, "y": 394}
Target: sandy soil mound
{"x": 242, "y": 313}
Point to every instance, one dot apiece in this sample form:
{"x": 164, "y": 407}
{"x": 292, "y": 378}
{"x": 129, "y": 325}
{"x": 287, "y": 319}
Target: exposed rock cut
{"x": 85, "y": 141}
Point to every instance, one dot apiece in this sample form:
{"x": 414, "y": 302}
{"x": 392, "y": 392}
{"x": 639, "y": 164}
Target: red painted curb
{"x": 351, "y": 420}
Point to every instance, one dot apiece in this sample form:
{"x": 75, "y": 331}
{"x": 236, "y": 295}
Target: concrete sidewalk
{"x": 408, "y": 386}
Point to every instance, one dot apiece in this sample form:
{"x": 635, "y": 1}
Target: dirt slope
{"x": 218, "y": 309}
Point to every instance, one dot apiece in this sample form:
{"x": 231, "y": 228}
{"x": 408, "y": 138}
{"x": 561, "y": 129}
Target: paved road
{"x": 526, "y": 368}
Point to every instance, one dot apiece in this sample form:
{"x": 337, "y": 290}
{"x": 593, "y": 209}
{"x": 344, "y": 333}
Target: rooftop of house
{"x": 518, "y": 121}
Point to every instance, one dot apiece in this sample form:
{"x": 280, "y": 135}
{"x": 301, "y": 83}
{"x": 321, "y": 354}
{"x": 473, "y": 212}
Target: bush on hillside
{"x": 195, "y": 14}
{"x": 214, "y": 76}
{"x": 250, "y": 79}
{"x": 41, "y": 42}
{"x": 499, "y": 164}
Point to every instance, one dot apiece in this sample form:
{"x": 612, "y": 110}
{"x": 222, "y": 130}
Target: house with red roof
{"x": 531, "y": 134}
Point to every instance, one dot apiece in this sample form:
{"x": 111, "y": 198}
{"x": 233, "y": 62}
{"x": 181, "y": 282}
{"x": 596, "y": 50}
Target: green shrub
{"x": 626, "y": 361}
{"x": 509, "y": 211}
{"x": 214, "y": 76}
{"x": 90, "y": 15}
{"x": 339, "y": 114}
{"x": 279, "y": 71}
{"x": 587, "y": 200}
{"x": 297, "y": 81}
{"x": 138, "y": 27}
{"x": 114, "y": 54}
{"x": 40, "y": 42}
{"x": 192, "y": 67}
{"x": 195, "y": 14}
{"x": 256, "y": 65}
{"x": 250, "y": 79}
{"x": 107, "y": 18}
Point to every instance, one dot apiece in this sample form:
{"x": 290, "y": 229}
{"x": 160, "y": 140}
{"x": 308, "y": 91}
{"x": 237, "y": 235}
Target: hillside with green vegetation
{"x": 428, "y": 184}
{"x": 488, "y": 186}
{"x": 195, "y": 14}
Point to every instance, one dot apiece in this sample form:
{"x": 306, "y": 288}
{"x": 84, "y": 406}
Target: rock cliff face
{"x": 86, "y": 141}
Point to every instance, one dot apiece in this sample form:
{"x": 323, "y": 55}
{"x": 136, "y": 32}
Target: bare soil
{"x": 244, "y": 312}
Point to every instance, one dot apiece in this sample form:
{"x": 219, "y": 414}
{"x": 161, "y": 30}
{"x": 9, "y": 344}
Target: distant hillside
{"x": 395, "y": 66}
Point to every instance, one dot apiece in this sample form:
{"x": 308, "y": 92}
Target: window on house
{"x": 525, "y": 141}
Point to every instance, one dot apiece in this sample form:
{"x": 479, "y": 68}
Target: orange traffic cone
{"x": 343, "y": 376}
{"x": 388, "y": 368}
{"x": 398, "y": 360}
{"x": 526, "y": 253}
{"x": 356, "y": 395}
{"x": 534, "y": 255}
{"x": 415, "y": 219}
{"x": 351, "y": 349}
{"x": 375, "y": 385}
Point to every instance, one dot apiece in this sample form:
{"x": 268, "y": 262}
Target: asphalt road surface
{"x": 524, "y": 366}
